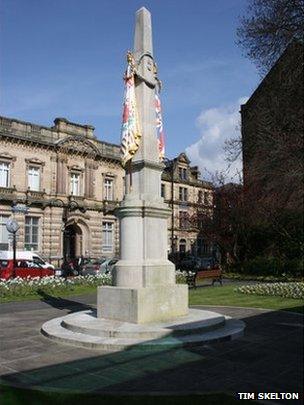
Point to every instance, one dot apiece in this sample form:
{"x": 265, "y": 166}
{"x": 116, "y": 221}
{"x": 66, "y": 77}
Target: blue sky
{"x": 66, "y": 58}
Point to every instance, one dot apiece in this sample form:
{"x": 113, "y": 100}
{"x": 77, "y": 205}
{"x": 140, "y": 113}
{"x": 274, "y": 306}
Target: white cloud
{"x": 216, "y": 125}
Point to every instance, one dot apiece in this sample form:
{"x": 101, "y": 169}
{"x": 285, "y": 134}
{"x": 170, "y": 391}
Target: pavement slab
{"x": 268, "y": 357}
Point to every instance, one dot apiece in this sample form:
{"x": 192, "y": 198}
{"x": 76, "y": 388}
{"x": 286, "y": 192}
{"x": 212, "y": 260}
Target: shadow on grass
{"x": 62, "y": 303}
{"x": 297, "y": 309}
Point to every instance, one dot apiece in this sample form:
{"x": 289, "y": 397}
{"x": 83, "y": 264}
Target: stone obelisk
{"x": 144, "y": 280}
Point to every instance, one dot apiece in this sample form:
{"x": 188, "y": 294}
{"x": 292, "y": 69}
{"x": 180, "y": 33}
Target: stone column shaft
{"x": 144, "y": 278}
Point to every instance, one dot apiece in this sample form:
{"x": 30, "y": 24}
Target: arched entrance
{"x": 182, "y": 247}
{"x": 72, "y": 241}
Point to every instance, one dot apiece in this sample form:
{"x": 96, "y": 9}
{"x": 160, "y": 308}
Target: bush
{"x": 269, "y": 267}
{"x": 264, "y": 265}
{"x": 294, "y": 267}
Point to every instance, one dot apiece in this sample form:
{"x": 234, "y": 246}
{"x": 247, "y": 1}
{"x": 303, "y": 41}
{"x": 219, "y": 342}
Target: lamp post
{"x": 12, "y": 226}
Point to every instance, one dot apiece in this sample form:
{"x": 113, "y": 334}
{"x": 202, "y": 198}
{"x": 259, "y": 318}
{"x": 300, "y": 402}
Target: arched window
{"x": 182, "y": 246}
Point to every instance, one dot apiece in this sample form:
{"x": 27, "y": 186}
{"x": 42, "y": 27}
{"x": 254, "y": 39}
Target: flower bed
{"x": 286, "y": 290}
{"x": 49, "y": 285}
{"x": 181, "y": 276}
{"x": 23, "y": 287}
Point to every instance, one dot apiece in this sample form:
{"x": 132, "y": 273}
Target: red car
{"x": 23, "y": 268}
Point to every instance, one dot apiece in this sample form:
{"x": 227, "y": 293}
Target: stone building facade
{"x": 71, "y": 183}
{"x": 186, "y": 193}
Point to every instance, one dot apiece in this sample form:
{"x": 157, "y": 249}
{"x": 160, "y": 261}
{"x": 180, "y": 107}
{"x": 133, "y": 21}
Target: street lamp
{"x": 12, "y": 226}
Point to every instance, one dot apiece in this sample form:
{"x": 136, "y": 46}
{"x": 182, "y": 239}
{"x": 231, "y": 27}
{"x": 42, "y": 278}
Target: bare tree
{"x": 223, "y": 223}
{"x": 268, "y": 27}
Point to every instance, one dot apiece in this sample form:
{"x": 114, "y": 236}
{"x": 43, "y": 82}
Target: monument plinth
{"x": 145, "y": 309}
{"x": 144, "y": 279}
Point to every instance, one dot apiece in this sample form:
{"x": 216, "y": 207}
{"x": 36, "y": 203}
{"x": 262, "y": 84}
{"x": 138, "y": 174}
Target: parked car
{"x": 83, "y": 266}
{"x": 69, "y": 269}
{"x": 207, "y": 263}
{"x": 195, "y": 264}
{"x": 108, "y": 265}
{"x": 26, "y": 255}
{"x": 188, "y": 263}
{"x": 91, "y": 266}
{"x": 23, "y": 268}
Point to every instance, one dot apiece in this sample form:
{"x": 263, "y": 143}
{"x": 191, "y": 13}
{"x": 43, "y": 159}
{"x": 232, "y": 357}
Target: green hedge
{"x": 269, "y": 266}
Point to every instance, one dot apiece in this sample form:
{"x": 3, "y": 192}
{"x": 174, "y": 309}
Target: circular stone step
{"x": 88, "y": 323}
{"x": 192, "y": 333}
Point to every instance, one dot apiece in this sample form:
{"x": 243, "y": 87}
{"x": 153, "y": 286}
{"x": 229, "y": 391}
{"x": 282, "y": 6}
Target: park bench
{"x": 214, "y": 274}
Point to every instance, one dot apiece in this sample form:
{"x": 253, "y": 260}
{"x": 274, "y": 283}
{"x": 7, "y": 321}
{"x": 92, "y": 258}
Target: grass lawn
{"x": 226, "y": 295}
{"x": 17, "y": 396}
{"x": 75, "y": 290}
{"x": 203, "y": 295}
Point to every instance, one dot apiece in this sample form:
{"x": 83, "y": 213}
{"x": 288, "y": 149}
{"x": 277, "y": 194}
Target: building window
{"x": 108, "y": 189}
{"x": 206, "y": 198}
{"x": 34, "y": 178}
{"x": 31, "y": 236}
{"x": 200, "y": 197}
{"x": 183, "y": 219}
{"x": 183, "y": 194}
{"x": 182, "y": 173}
{"x": 75, "y": 184}
{"x": 182, "y": 246}
{"x": 4, "y": 174}
{"x": 206, "y": 248}
{"x": 107, "y": 236}
{"x": 4, "y": 243}
{"x": 163, "y": 191}
{"x": 199, "y": 246}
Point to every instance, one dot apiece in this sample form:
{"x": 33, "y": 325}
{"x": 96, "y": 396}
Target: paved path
{"x": 267, "y": 359}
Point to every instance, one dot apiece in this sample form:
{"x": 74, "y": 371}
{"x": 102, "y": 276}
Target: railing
{"x": 7, "y": 190}
{"x": 78, "y": 198}
{"x": 39, "y": 195}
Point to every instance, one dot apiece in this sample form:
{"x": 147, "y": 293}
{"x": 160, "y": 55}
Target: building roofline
{"x": 53, "y": 129}
{"x": 25, "y": 122}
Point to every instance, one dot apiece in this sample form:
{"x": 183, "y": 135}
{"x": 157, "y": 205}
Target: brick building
{"x": 272, "y": 134}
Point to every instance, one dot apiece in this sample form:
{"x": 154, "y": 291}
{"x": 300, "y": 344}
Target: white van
{"x": 25, "y": 255}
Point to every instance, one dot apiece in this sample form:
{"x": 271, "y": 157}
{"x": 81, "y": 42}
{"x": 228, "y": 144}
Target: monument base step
{"x": 142, "y": 305}
{"x": 84, "y": 329}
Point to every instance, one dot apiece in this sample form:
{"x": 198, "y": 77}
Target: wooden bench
{"x": 214, "y": 274}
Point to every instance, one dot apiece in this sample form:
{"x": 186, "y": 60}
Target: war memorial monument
{"x": 145, "y": 307}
